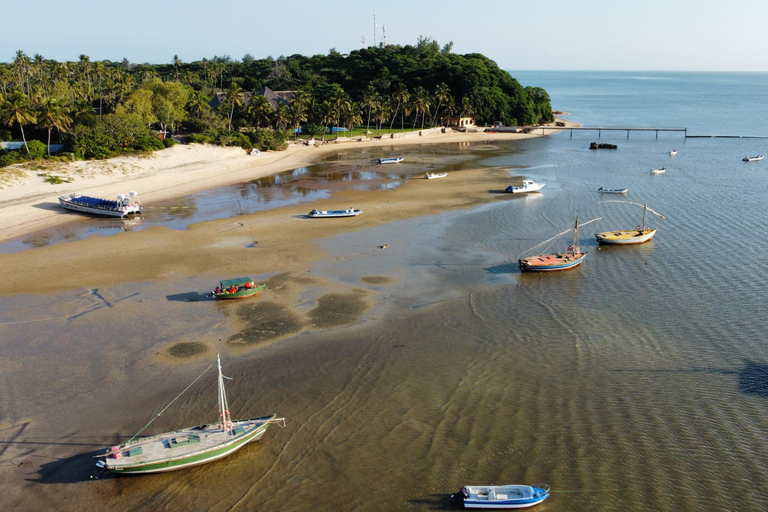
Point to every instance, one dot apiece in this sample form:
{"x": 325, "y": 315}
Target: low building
{"x": 460, "y": 122}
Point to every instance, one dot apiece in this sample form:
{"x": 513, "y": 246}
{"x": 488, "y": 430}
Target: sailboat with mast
{"x": 188, "y": 446}
{"x": 556, "y": 261}
{"x": 639, "y": 235}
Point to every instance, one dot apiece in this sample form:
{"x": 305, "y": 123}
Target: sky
{"x": 653, "y": 35}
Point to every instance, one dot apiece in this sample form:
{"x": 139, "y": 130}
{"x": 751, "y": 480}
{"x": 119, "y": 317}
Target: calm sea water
{"x": 636, "y": 382}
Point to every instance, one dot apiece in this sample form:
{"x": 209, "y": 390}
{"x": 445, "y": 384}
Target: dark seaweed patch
{"x": 335, "y": 309}
{"x": 377, "y": 279}
{"x": 266, "y": 321}
{"x": 187, "y": 349}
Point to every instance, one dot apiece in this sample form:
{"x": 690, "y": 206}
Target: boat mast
{"x": 576, "y": 248}
{"x": 645, "y": 208}
{"x": 223, "y": 406}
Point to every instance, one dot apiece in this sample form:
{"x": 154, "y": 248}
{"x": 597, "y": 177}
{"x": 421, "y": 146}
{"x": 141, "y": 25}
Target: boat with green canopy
{"x": 188, "y": 446}
{"x": 240, "y": 288}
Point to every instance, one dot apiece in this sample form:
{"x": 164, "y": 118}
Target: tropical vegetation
{"x": 105, "y": 108}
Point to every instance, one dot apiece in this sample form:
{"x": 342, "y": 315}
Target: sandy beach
{"x": 28, "y": 204}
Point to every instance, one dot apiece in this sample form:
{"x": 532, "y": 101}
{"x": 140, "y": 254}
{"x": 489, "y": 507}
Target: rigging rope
{"x": 170, "y": 404}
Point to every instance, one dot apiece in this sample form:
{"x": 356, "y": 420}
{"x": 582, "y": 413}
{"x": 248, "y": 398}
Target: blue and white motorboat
{"x": 351, "y": 212}
{"x": 501, "y": 496}
{"x": 391, "y": 160}
{"x": 752, "y": 158}
{"x": 123, "y": 206}
{"x": 612, "y": 190}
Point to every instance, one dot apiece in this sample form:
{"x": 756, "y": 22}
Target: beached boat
{"x": 391, "y": 160}
{"x": 240, "y": 288}
{"x": 673, "y": 152}
{"x": 188, "y": 446}
{"x": 556, "y": 261}
{"x": 351, "y": 212}
{"x": 501, "y": 496}
{"x": 527, "y": 186}
{"x": 105, "y": 207}
{"x": 639, "y": 235}
{"x": 662, "y": 170}
{"x": 433, "y": 176}
{"x": 613, "y": 190}
{"x": 752, "y": 158}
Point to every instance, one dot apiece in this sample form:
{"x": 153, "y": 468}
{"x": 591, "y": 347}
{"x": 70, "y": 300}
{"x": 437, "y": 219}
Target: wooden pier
{"x": 600, "y": 129}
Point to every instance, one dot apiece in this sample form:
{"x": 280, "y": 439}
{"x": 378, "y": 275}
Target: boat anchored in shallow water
{"x": 661, "y": 170}
{"x": 434, "y": 176}
{"x": 105, "y": 207}
{"x": 501, "y": 496}
{"x": 613, "y": 190}
{"x": 556, "y": 261}
{"x": 188, "y": 446}
{"x": 351, "y": 212}
{"x": 639, "y": 235}
{"x": 752, "y": 158}
{"x": 391, "y": 160}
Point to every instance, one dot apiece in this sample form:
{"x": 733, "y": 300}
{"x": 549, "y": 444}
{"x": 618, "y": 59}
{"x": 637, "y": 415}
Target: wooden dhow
{"x": 188, "y": 446}
{"x": 556, "y": 261}
{"x": 639, "y": 235}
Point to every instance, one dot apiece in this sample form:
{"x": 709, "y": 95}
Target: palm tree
{"x": 402, "y": 96}
{"x": 234, "y": 99}
{"x": 298, "y": 113}
{"x": 421, "y": 104}
{"x": 370, "y": 101}
{"x": 176, "y": 64}
{"x": 442, "y": 93}
{"x": 282, "y": 116}
{"x": 198, "y": 104}
{"x": 340, "y": 102}
{"x": 17, "y": 109}
{"x": 354, "y": 117}
{"x": 52, "y": 114}
{"x": 259, "y": 110}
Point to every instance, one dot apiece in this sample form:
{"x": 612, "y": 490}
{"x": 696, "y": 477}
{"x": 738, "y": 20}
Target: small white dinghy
{"x": 673, "y": 152}
{"x": 434, "y": 176}
{"x": 501, "y": 496}
{"x": 659, "y": 171}
{"x": 613, "y": 190}
{"x": 391, "y": 160}
{"x": 752, "y": 158}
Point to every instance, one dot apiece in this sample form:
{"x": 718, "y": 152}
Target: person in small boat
{"x": 248, "y": 286}
{"x": 232, "y": 289}
{"x": 217, "y": 291}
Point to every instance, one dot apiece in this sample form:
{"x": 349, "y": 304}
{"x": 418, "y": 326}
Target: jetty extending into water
{"x": 600, "y": 129}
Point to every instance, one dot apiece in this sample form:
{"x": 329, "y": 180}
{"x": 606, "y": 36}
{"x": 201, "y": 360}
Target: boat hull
{"x": 319, "y": 214}
{"x": 436, "y": 176}
{"x": 551, "y": 262}
{"x": 242, "y": 294}
{"x": 396, "y": 160}
{"x": 628, "y": 237}
{"x": 70, "y": 205}
{"x": 613, "y": 190}
{"x": 503, "y": 497}
{"x": 184, "y": 460}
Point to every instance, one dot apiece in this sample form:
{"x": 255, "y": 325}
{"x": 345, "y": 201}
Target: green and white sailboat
{"x": 188, "y": 446}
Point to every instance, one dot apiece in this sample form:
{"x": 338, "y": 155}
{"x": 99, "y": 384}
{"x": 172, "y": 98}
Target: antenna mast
{"x": 374, "y": 28}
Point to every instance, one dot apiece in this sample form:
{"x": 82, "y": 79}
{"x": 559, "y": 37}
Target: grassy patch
{"x": 56, "y": 180}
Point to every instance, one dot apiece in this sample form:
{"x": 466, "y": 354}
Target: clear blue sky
{"x": 684, "y": 35}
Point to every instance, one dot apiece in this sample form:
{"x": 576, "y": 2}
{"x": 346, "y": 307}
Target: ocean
{"x": 635, "y": 382}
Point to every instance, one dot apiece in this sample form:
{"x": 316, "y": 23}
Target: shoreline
{"x": 29, "y": 204}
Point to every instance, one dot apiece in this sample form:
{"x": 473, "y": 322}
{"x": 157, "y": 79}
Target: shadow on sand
{"x": 189, "y": 297}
